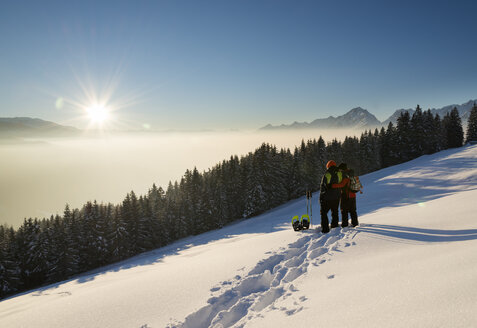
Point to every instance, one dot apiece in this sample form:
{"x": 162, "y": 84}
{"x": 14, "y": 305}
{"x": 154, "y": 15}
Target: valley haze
{"x": 40, "y": 175}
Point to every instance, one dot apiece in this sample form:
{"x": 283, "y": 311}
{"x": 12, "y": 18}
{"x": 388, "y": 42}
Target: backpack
{"x": 332, "y": 176}
{"x": 354, "y": 185}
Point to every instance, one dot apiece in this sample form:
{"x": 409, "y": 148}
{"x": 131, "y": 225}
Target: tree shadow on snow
{"x": 426, "y": 178}
{"x": 418, "y": 234}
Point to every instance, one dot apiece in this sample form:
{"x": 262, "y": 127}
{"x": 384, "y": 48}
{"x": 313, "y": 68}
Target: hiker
{"x": 329, "y": 196}
{"x": 349, "y": 187}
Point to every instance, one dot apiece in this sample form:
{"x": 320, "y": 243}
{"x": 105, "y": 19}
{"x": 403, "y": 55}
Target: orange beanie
{"x": 330, "y": 164}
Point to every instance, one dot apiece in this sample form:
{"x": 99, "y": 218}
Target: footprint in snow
{"x": 271, "y": 278}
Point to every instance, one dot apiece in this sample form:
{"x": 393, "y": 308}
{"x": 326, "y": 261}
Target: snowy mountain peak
{"x": 360, "y": 118}
{"x": 356, "y": 118}
{"x": 464, "y": 111}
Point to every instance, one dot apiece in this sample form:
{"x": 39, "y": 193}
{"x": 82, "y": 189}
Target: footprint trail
{"x": 244, "y": 297}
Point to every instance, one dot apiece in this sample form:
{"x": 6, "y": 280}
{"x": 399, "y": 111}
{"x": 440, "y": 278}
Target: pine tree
{"x": 58, "y": 268}
{"x": 102, "y": 217}
{"x": 10, "y": 278}
{"x": 404, "y": 138}
{"x": 311, "y": 166}
{"x": 365, "y": 153}
{"x": 275, "y": 187}
{"x": 72, "y": 232}
{"x": 417, "y": 133}
{"x": 430, "y": 133}
{"x": 471, "y": 134}
{"x": 393, "y": 140}
{"x": 4, "y": 286}
{"x": 376, "y": 146}
{"x": 217, "y": 195}
{"x": 453, "y": 129}
{"x": 255, "y": 199}
{"x": 157, "y": 205}
{"x": 199, "y": 205}
{"x": 440, "y": 135}
{"x": 295, "y": 182}
{"x": 34, "y": 254}
{"x": 334, "y": 151}
{"x": 146, "y": 226}
{"x": 350, "y": 150}
{"x": 179, "y": 219}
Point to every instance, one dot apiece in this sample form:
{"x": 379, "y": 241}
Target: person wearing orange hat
{"x": 329, "y": 196}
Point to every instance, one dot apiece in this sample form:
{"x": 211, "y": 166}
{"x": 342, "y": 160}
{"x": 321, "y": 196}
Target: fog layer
{"x": 38, "y": 178}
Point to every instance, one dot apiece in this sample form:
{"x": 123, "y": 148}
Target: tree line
{"x": 48, "y": 250}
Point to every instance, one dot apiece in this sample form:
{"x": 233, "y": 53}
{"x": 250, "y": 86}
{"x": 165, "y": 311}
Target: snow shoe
{"x": 305, "y": 221}
{"x": 296, "y": 223}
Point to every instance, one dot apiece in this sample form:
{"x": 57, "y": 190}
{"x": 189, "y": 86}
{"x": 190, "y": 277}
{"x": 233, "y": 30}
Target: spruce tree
{"x": 404, "y": 138}
{"x": 393, "y": 137}
{"x": 365, "y": 153}
{"x": 350, "y": 148}
{"x": 430, "y": 133}
{"x": 58, "y": 268}
{"x": 146, "y": 226}
{"x": 296, "y": 177}
{"x": 453, "y": 129}
{"x": 157, "y": 203}
{"x": 10, "y": 274}
{"x": 335, "y": 151}
{"x": 255, "y": 198}
{"x": 118, "y": 237}
{"x": 131, "y": 217}
{"x": 417, "y": 133}
{"x": 72, "y": 234}
{"x": 276, "y": 178}
{"x": 384, "y": 147}
{"x": 471, "y": 134}
{"x": 441, "y": 139}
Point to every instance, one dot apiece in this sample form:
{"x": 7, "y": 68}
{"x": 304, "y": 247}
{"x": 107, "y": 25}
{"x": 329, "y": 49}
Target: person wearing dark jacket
{"x": 348, "y": 197}
{"x": 330, "y": 196}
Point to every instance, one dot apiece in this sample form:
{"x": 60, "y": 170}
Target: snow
{"x": 411, "y": 263}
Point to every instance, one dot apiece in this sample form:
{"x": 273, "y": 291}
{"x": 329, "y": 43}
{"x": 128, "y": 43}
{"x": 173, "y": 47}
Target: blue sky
{"x": 233, "y": 64}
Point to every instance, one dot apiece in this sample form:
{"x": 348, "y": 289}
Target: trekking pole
{"x": 309, "y": 206}
{"x": 306, "y": 193}
{"x": 311, "y": 210}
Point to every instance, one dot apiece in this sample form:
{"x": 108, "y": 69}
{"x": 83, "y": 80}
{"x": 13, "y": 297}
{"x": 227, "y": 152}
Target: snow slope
{"x": 411, "y": 263}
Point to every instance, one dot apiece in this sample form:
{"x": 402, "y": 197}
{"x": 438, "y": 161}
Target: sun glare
{"x": 97, "y": 113}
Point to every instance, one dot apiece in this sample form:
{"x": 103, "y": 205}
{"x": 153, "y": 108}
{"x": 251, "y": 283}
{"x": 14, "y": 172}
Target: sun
{"x": 98, "y": 113}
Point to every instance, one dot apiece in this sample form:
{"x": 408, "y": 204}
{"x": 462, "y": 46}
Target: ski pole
{"x": 309, "y": 206}
{"x": 311, "y": 210}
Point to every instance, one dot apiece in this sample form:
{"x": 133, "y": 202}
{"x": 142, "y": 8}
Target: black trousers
{"x": 348, "y": 207}
{"x": 325, "y": 207}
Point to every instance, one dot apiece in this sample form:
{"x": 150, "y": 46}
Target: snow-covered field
{"x": 411, "y": 263}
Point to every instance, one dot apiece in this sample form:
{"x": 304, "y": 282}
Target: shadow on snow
{"x": 418, "y": 234}
{"x": 425, "y": 178}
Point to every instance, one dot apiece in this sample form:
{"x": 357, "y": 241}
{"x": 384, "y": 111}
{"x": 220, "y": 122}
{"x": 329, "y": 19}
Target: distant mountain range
{"x": 34, "y": 127}
{"x": 356, "y": 118}
{"x": 359, "y": 118}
